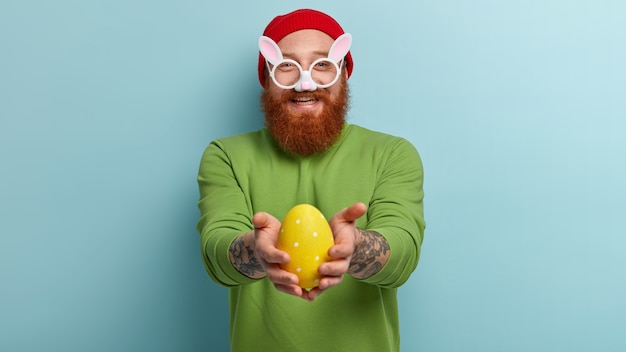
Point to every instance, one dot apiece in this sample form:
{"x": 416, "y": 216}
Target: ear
{"x": 340, "y": 47}
{"x": 270, "y": 50}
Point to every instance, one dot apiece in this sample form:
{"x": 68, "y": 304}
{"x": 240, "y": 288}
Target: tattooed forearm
{"x": 243, "y": 259}
{"x": 370, "y": 255}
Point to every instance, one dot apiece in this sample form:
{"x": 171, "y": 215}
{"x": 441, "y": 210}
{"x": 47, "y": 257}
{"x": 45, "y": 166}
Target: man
{"x": 369, "y": 184}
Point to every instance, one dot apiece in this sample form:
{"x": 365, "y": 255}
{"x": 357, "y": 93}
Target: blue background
{"x": 517, "y": 108}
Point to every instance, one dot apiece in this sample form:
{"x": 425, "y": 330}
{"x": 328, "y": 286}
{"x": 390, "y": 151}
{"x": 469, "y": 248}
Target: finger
{"x": 343, "y": 247}
{"x": 262, "y": 220}
{"x": 266, "y": 233}
{"x": 313, "y": 293}
{"x": 352, "y": 212}
{"x": 294, "y": 290}
{"x": 334, "y": 268}
{"x": 279, "y": 276}
{"x": 265, "y": 248}
{"x": 270, "y": 254}
{"x": 329, "y": 281}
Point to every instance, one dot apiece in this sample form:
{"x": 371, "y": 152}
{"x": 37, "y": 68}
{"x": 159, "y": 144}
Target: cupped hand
{"x": 266, "y": 229}
{"x": 345, "y": 232}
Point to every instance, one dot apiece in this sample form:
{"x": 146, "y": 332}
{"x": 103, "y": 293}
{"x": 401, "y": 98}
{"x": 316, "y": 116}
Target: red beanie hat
{"x": 288, "y": 23}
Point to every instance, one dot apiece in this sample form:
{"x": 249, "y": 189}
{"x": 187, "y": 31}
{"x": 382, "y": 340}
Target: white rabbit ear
{"x": 270, "y": 50}
{"x": 340, "y": 47}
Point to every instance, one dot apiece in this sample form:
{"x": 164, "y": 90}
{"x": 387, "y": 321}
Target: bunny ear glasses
{"x": 288, "y": 74}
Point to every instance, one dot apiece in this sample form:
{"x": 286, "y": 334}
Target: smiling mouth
{"x": 304, "y": 100}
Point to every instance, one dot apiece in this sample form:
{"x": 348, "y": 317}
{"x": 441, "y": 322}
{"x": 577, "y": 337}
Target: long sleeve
{"x": 224, "y": 214}
{"x": 396, "y": 211}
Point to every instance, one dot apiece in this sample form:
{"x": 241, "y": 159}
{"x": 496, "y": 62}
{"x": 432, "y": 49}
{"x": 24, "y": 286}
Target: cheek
{"x": 335, "y": 89}
{"x": 274, "y": 92}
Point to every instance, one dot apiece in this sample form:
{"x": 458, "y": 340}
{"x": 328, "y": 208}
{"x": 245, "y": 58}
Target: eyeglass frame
{"x": 273, "y": 56}
{"x": 305, "y": 75}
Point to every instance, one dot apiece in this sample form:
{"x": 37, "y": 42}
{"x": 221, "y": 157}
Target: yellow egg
{"x": 306, "y": 236}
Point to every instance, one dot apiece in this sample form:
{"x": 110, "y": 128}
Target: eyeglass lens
{"x": 323, "y": 71}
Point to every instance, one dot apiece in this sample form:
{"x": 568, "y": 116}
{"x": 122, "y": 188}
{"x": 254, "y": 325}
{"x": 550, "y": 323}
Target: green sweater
{"x": 248, "y": 173}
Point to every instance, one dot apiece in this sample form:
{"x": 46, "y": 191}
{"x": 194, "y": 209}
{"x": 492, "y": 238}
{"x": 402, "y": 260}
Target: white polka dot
{"x": 296, "y": 244}
{"x": 317, "y": 257}
{"x": 298, "y": 221}
{"x": 282, "y": 230}
{"x": 298, "y": 269}
{"x": 314, "y": 234}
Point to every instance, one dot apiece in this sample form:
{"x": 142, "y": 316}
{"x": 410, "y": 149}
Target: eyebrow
{"x": 319, "y": 53}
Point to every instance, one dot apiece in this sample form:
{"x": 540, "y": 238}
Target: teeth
{"x": 305, "y": 100}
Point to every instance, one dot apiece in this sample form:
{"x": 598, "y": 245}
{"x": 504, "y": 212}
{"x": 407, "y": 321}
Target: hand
{"x": 266, "y": 228}
{"x": 343, "y": 226}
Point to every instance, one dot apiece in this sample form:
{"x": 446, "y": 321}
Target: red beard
{"x": 305, "y": 134}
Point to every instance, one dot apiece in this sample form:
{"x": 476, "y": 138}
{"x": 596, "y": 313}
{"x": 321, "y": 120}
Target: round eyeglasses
{"x": 288, "y": 74}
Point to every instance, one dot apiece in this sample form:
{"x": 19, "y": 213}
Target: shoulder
{"x": 241, "y": 140}
{"x": 244, "y": 143}
{"x": 235, "y": 148}
{"x": 375, "y": 140}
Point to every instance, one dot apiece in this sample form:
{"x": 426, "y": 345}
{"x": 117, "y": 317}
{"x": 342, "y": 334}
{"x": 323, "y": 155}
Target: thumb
{"x": 352, "y": 212}
{"x": 261, "y": 220}
{"x": 265, "y": 223}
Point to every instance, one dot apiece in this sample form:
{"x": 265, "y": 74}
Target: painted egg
{"x": 306, "y": 236}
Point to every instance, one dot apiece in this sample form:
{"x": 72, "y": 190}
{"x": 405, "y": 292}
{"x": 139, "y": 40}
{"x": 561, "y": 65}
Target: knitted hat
{"x": 288, "y": 23}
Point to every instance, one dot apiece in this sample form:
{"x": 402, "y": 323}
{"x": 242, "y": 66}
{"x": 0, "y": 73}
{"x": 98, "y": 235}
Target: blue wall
{"x": 517, "y": 108}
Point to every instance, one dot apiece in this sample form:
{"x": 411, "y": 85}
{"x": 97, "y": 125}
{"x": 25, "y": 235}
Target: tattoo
{"x": 243, "y": 259}
{"x": 370, "y": 255}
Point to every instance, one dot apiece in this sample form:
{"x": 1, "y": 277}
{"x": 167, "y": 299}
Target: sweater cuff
{"x": 403, "y": 257}
{"x": 232, "y": 275}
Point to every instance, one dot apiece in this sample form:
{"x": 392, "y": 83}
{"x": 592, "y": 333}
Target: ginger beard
{"x": 306, "y": 133}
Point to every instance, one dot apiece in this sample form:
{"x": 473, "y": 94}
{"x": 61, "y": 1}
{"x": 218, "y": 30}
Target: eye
{"x": 323, "y": 66}
{"x": 287, "y": 66}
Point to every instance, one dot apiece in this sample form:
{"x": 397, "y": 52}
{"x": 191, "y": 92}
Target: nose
{"x": 305, "y": 82}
